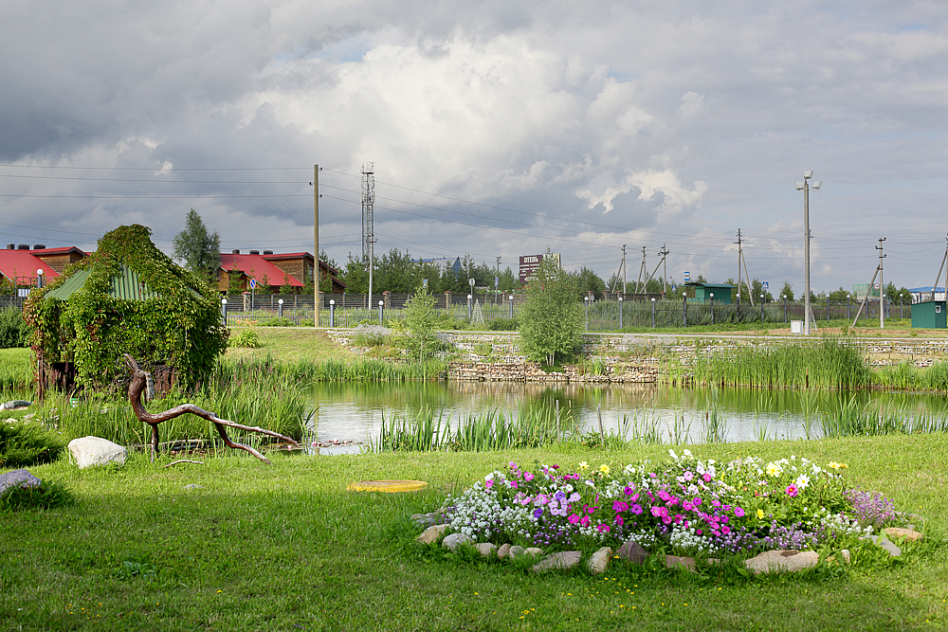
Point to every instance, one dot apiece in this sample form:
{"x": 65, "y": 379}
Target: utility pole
{"x": 620, "y": 271}
{"x": 738, "y": 242}
{"x": 865, "y": 299}
{"x": 881, "y": 287}
{"x": 938, "y": 278}
{"x": 368, "y": 223}
{"x": 664, "y": 252}
{"x": 805, "y": 187}
{"x": 496, "y": 287}
{"x": 642, "y": 272}
{"x": 316, "y": 245}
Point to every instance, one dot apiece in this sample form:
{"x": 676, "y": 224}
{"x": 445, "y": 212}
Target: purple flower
{"x": 738, "y": 512}
{"x": 619, "y": 506}
{"x": 636, "y": 509}
{"x": 537, "y": 512}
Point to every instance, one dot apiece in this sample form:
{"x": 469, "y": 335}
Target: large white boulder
{"x": 90, "y": 451}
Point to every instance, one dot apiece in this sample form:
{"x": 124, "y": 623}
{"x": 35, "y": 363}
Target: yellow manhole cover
{"x": 390, "y": 487}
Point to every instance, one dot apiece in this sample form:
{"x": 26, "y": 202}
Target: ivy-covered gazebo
{"x": 127, "y": 297}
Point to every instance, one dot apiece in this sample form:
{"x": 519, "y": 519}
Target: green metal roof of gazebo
{"x": 126, "y": 285}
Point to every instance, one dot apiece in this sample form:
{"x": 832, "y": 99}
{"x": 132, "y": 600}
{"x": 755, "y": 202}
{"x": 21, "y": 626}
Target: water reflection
{"x": 354, "y": 411}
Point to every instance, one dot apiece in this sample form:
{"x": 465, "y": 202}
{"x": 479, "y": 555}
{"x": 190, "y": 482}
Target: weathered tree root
{"x": 139, "y": 378}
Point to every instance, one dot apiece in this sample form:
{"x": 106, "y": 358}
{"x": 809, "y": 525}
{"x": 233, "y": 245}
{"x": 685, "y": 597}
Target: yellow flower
{"x": 604, "y": 469}
{"x": 837, "y": 466}
{"x": 583, "y": 465}
{"x": 760, "y": 514}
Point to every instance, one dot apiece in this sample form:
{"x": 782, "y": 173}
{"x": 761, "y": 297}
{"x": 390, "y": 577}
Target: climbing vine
{"x": 177, "y": 323}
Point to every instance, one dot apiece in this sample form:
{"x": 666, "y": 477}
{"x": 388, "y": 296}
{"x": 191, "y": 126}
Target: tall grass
{"x": 831, "y": 363}
{"x": 16, "y": 371}
{"x": 850, "y": 418}
{"x": 331, "y": 370}
{"x": 532, "y": 428}
{"x": 908, "y": 377}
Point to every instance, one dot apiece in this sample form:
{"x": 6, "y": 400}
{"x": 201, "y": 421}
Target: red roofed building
{"x": 272, "y": 271}
{"x": 18, "y": 268}
{"x": 59, "y": 258}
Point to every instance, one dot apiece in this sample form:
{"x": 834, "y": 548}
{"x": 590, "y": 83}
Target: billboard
{"x": 530, "y": 263}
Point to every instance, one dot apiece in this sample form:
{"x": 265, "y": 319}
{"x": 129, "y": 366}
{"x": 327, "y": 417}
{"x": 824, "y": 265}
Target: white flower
{"x": 802, "y": 481}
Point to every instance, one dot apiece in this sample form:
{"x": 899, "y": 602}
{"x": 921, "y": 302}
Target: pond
{"x": 353, "y": 412}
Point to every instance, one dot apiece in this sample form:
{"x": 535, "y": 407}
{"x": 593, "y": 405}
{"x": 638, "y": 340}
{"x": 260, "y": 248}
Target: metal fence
{"x": 349, "y": 310}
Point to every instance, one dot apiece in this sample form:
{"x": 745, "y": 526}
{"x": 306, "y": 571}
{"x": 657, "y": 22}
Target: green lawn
{"x": 288, "y": 548}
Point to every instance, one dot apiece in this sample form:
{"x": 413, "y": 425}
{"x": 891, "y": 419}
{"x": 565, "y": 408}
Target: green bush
{"x": 247, "y": 338}
{"x": 371, "y": 335}
{"x": 14, "y": 331}
{"x": 23, "y": 444}
{"x": 46, "y": 496}
{"x": 277, "y": 321}
{"x": 503, "y": 324}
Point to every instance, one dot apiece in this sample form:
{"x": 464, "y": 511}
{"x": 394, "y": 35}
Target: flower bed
{"x": 684, "y": 506}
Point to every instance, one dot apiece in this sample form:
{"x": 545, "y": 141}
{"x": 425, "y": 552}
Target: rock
{"x": 782, "y": 561}
{"x": 15, "y": 404}
{"x": 534, "y": 551}
{"x": 455, "y": 540}
{"x": 194, "y": 486}
{"x": 633, "y": 552}
{"x": 428, "y": 519}
{"x": 564, "y": 560}
{"x": 672, "y": 561}
{"x": 888, "y": 545}
{"x": 515, "y": 551}
{"x": 486, "y": 549}
{"x": 599, "y": 560}
{"x": 18, "y": 478}
{"x": 431, "y": 534}
{"x": 90, "y": 451}
{"x": 898, "y": 532}
{"x": 503, "y": 551}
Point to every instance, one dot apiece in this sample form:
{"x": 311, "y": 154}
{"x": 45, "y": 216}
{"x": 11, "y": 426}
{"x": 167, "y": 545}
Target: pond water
{"x": 353, "y": 412}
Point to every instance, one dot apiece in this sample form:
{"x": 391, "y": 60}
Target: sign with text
{"x": 530, "y": 263}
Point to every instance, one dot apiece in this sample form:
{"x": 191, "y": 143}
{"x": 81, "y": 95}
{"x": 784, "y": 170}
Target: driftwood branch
{"x": 139, "y": 381}
{"x": 184, "y": 461}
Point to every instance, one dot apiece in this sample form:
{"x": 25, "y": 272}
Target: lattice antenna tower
{"x": 368, "y": 209}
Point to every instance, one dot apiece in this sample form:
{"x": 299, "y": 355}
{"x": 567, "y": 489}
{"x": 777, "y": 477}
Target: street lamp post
{"x": 280, "y": 308}
{"x": 332, "y": 313}
{"x": 511, "y": 306}
{"x": 712, "y": 308}
{"x": 39, "y": 278}
{"x": 653, "y": 312}
{"x": 805, "y": 186}
{"x": 469, "y": 312}
{"x": 761, "y": 308}
{"x": 224, "y": 311}
{"x": 784, "y": 308}
{"x": 684, "y": 309}
{"x": 620, "y": 312}
{"x": 381, "y": 303}
{"x": 586, "y": 301}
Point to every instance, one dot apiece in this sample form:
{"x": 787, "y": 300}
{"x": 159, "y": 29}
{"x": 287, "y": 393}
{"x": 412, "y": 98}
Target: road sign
{"x": 496, "y": 282}
{"x": 766, "y": 285}
{"x": 253, "y": 284}
{"x": 471, "y": 282}
{"x": 687, "y": 277}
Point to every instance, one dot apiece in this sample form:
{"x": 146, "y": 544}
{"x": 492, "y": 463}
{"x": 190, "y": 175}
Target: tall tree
{"x": 787, "y": 290}
{"x": 199, "y": 250}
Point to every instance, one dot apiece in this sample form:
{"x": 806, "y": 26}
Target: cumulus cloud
{"x": 561, "y": 126}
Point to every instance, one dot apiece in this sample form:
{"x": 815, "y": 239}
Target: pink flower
{"x": 738, "y": 512}
{"x": 527, "y": 476}
{"x": 707, "y": 478}
{"x": 636, "y": 509}
{"x": 619, "y": 520}
{"x": 696, "y": 501}
{"x": 603, "y": 528}
{"x": 573, "y": 519}
{"x": 687, "y": 506}
{"x": 792, "y": 490}
{"x": 585, "y": 521}
{"x": 489, "y": 483}
{"x": 619, "y": 506}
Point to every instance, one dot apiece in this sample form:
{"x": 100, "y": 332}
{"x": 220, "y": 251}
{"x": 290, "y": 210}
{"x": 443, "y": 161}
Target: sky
{"x": 494, "y": 129}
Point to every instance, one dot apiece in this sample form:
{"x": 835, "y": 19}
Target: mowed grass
{"x": 287, "y": 547}
{"x": 291, "y": 344}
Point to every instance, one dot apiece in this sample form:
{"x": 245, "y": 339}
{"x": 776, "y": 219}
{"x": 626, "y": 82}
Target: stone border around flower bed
{"x": 775, "y": 561}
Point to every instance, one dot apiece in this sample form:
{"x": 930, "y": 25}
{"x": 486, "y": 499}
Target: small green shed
{"x": 703, "y": 292}
{"x": 929, "y": 315}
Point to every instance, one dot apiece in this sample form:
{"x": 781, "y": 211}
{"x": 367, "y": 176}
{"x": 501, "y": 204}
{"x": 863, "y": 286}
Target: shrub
{"x": 277, "y": 321}
{"x": 23, "y": 444}
{"x": 47, "y": 495}
{"x": 371, "y": 335}
{"x": 503, "y": 324}
{"x": 247, "y": 338}
{"x": 14, "y": 331}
